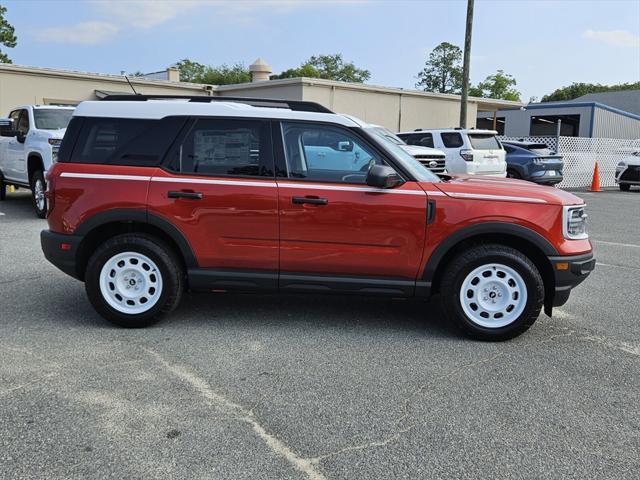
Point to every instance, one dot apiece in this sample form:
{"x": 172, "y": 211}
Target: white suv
{"x": 29, "y": 141}
{"x": 470, "y": 151}
{"x": 431, "y": 158}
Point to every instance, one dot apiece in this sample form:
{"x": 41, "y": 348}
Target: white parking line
{"x": 1, "y": 214}
{"x": 616, "y": 266}
{"x": 618, "y": 244}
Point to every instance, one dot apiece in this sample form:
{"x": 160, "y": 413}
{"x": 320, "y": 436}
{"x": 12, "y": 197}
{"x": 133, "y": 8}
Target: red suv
{"x": 151, "y": 196}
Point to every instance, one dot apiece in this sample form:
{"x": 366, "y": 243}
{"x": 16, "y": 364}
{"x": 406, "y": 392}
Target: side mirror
{"x": 382, "y": 176}
{"x": 345, "y": 146}
{"x": 7, "y": 128}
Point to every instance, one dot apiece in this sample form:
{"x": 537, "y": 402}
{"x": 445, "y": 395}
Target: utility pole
{"x": 465, "y": 65}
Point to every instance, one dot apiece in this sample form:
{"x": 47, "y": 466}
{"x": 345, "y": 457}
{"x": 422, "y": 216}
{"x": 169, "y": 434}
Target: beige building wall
{"x": 422, "y": 112}
{"x": 273, "y": 89}
{"x": 26, "y": 85}
{"x": 394, "y": 108}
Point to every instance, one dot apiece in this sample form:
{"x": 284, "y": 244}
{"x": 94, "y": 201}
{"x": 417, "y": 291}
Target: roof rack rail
{"x": 297, "y": 105}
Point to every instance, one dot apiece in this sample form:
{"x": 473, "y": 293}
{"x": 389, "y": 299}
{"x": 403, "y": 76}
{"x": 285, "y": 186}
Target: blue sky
{"x": 543, "y": 44}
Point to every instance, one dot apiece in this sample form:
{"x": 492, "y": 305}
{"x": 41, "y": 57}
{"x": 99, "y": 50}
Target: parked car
{"x": 628, "y": 171}
{"x": 431, "y": 158}
{"x": 29, "y": 143}
{"x": 149, "y": 198}
{"x": 470, "y": 151}
{"x": 534, "y": 162}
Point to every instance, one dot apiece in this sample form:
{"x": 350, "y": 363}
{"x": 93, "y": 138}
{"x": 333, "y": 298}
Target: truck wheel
{"x": 492, "y": 292}
{"x": 625, "y": 187}
{"x": 38, "y": 187}
{"x": 132, "y": 280}
{"x": 3, "y": 188}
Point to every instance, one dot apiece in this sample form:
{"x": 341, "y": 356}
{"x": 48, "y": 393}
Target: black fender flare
{"x": 505, "y": 228}
{"x": 125, "y": 215}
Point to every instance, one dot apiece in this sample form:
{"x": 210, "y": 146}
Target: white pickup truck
{"x": 29, "y": 141}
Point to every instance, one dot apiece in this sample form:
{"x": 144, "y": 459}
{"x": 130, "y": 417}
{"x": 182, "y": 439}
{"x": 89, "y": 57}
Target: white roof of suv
{"x": 160, "y": 108}
{"x": 459, "y": 130}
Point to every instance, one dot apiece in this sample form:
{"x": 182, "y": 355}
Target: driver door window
{"x": 23, "y": 123}
{"x": 326, "y": 154}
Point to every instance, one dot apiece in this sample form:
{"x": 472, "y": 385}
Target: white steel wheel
{"x": 131, "y": 283}
{"x": 493, "y": 295}
{"x": 38, "y": 194}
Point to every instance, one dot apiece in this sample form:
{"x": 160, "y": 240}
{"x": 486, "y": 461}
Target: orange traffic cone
{"x": 595, "y": 183}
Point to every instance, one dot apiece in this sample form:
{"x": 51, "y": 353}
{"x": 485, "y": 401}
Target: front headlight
{"x": 574, "y": 222}
{"x": 54, "y": 141}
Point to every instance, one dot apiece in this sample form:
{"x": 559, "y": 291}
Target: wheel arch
{"x": 523, "y": 239}
{"x": 34, "y": 163}
{"x": 103, "y": 226}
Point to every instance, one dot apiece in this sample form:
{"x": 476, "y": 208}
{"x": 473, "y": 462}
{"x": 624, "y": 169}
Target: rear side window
{"x": 124, "y": 141}
{"x": 225, "y": 147}
{"x": 421, "y": 139}
{"x": 451, "y": 139}
{"x": 483, "y": 141}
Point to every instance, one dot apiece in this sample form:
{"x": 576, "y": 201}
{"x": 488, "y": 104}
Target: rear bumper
{"x": 61, "y": 250}
{"x": 578, "y": 268}
{"x": 542, "y": 178}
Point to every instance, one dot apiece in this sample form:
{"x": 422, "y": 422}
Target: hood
{"x": 415, "y": 150}
{"x": 505, "y": 189}
{"x": 631, "y": 160}
{"x": 46, "y": 134}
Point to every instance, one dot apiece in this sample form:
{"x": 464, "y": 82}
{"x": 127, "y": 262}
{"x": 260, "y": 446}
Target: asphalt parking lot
{"x": 235, "y": 386}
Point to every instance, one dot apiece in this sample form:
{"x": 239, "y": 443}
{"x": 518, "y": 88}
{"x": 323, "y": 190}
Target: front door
{"x": 218, "y": 189}
{"x": 331, "y": 223}
{"x": 16, "y": 150}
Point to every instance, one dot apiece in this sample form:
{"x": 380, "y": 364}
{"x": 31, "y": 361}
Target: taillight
{"x": 49, "y": 193}
{"x": 467, "y": 155}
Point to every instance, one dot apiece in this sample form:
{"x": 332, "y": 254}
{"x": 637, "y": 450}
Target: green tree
{"x": 576, "y": 90}
{"x": 190, "y": 71}
{"x": 499, "y": 85}
{"x": 195, "y": 72}
{"x": 329, "y": 67}
{"x": 226, "y": 74}
{"x": 7, "y": 35}
{"x": 442, "y": 72}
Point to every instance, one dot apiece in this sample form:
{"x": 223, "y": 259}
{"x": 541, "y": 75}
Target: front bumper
{"x": 629, "y": 175}
{"x": 569, "y": 271}
{"x": 61, "y": 250}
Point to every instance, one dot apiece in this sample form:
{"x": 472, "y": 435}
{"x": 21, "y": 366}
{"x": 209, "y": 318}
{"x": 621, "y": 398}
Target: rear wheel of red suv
{"x": 133, "y": 279}
{"x": 492, "y": 292}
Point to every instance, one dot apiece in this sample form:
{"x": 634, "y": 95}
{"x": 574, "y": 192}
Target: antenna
{"x": 134, "y": 90}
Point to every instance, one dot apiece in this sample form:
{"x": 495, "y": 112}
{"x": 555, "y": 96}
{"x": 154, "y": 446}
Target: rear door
{"x": 218, "y": 188}
{"x": 335, "y": 231}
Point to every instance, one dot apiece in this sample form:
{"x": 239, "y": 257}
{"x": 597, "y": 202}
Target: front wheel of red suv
{"x": 492, "y": 292}
{"x": 132, "y": 280}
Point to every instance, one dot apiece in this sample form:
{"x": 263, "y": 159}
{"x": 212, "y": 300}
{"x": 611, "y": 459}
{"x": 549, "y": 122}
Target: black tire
{"x": 3, "y": 188}
{"x": 171, "y": 275}
{"x": 37, "y": 182}
{"x": 625, "y": 187}
{"x": 466, "y": 262}
{"x": 511, "y": 173}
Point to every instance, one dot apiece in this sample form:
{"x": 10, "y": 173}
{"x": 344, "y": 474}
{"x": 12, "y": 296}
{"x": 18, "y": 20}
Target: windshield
{"x": 387, "y": 134}
{"x": 52, "y": 118}
{"x": 419, "y": 171}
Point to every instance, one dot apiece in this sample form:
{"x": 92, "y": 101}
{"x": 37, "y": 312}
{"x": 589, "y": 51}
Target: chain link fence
{"x": 581, "y": 153}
